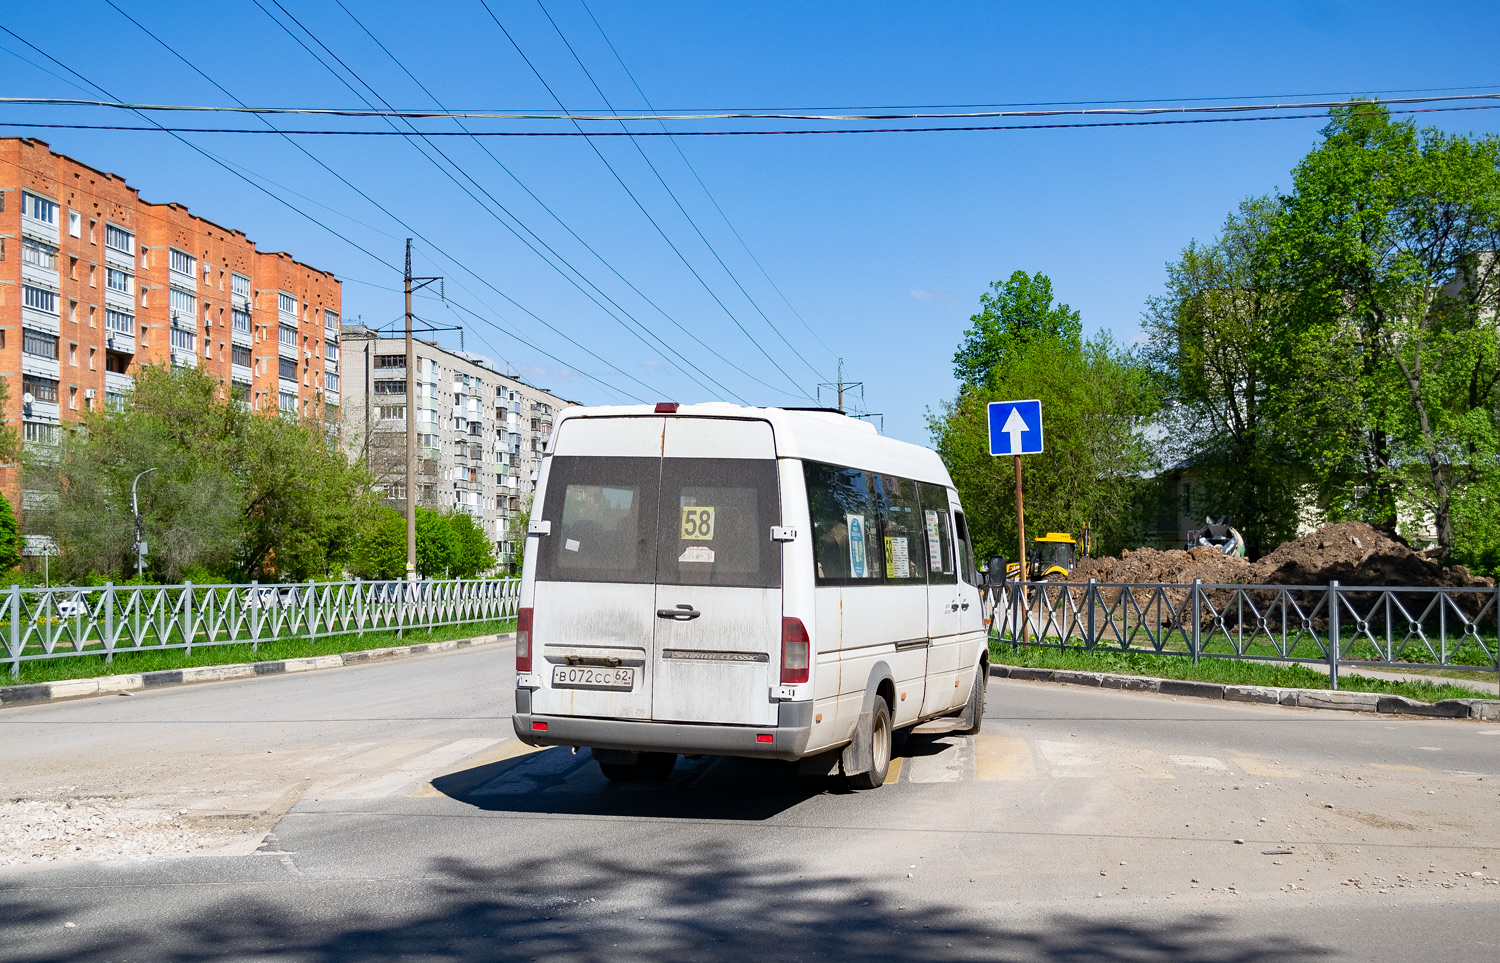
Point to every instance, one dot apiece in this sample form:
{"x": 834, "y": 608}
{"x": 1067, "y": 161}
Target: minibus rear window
{"x": 716, "y": 518}
{"x": 603, "y": 518}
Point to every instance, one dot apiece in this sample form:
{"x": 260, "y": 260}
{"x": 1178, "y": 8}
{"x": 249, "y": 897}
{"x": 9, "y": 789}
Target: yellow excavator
{"x": 1053, "y": 556}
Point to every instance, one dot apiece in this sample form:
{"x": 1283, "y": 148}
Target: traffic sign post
{"x": 1016, "y": 430}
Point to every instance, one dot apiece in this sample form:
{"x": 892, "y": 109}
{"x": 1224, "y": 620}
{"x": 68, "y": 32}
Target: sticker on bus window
{"x": 856, "y": 527}
{"x": 934, "y": 545}
{"x": 571, "y": 544}
{"x": 897, "y": 557}
{"x": 697, "y": 553}
{"x": 698, "y": 523}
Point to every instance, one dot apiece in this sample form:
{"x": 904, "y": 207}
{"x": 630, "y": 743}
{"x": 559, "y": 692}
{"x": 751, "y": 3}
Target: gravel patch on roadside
{"x": 49, "y": 831}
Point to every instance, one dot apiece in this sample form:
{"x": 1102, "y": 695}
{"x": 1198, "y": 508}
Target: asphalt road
{"x": 384, "y": 812}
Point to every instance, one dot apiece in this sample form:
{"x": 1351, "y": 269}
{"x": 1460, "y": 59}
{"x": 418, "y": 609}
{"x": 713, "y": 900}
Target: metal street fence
{"x": 50, "y": 623}
{"x": 1328, "y": 625}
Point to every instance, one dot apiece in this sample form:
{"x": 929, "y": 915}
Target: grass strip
{"x": 152, "y": 660}
{"x": 1226, "y": 671}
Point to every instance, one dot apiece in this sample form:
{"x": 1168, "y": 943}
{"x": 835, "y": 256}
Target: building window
{"x": 39, "y": 299}
{"x": 240, "y": 391}
{"x": 390, "y": 361}
{"x": 241, "y": 354}
{"x": 40, "y": 389}
{"x": 119, "y": 321}
{"x": 240, "y": 320}
{"x": 330, "y": 318}
{"x": 183, "y": 263}
{"x": 239, "y": 284}
{"x": 117, "y": 280}
{"x": 286, "y": 368}
{"x": 183, "y": 303}
{"x": 114, "y": 401}
{"x": 41, "y": 433}
{"x": 119, "y": 239}
{"x": 39, "y": 345}
{"x": 184, "y": 339}
{"x": 38, "y": 254}
{"x": 286, "y": 303}
{"x": 287, "y": 401}
{"x": 390, "y": 387}
{"x": 331, "y": 351}
{"x": 38, "y": 208}
{"x": 390, "y": 412}
{"x": 286, "y": 335}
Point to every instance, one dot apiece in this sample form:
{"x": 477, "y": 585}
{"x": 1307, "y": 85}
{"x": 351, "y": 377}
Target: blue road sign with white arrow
{"x": 1016, "y": 427}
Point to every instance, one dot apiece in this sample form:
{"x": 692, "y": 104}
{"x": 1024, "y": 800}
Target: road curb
{"x": 1486, "y": 710}
{"x": 68, "y": 689}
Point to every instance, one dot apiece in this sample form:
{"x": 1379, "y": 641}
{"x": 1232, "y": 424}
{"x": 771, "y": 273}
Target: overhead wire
{"x": 669, "y": 349}
{"x": 614, "y": 115}
{"x": 205, "y": 153}
{"x": 771, "y": 132}
{"x": 621, "y": 181}
{"x": 707, "y": 193}
{"x": 312, "y": 36}
{"x": 680, "y": 209}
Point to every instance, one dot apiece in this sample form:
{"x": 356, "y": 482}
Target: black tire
{"x": 880, "y": 749}
{"x": 618, "y": 771}
{"x": 655, "y": 766}
{"x": 974, "y": 709}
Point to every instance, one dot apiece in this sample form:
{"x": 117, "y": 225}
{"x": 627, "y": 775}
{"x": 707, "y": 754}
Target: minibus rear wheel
{"x": 655, "y": 766}
{"x": 880, "y": 749}
{"x": 618, "y": 771}
{"x": 974, "y": 710}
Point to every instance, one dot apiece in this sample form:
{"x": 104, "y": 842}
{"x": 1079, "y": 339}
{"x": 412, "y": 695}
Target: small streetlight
{"x": 140, "y": 540}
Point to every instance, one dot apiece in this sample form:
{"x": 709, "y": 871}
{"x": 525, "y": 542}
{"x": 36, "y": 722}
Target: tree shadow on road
{"x": 584, "y": 905}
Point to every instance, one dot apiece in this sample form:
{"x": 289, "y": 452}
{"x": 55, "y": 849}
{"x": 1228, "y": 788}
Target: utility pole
{"x": 411, "y": 423}
{"x": 140, "y": 529}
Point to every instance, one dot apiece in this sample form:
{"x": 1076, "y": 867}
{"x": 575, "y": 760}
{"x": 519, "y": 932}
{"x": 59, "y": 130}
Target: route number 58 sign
{"x": 698, "y": 523}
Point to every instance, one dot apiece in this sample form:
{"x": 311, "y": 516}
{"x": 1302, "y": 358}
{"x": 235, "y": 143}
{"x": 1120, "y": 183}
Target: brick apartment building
{"x": 95, "y": 282}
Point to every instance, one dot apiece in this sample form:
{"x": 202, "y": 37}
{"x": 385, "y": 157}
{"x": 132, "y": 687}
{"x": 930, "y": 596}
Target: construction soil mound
{"x": 1353, "y": 553}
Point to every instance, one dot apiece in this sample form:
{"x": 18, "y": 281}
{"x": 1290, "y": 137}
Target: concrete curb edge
{"x": 1487, "y": 710}
{"x": 67, "y": 689}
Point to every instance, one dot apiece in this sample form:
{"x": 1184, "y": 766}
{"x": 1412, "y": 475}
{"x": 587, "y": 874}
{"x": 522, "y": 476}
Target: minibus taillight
{"x": 523, "y": 641}
{"x": 795, "y": 653}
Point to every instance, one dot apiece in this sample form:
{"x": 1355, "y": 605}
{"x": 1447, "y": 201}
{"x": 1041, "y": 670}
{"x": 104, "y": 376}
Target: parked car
{"x": 72, "y": 607}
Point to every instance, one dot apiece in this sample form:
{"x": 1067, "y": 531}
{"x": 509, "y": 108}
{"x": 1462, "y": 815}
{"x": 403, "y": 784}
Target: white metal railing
{"x": 51, "y": 623}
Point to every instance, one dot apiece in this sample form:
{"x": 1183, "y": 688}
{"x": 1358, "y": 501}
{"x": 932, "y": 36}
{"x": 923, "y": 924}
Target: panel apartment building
{"x": 95, "y": 282}
{"x": 481, "y": 434}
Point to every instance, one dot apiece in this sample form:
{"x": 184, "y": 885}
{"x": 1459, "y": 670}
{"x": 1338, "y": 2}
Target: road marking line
{"x": 1198, "y": 762}
{"x": 1068, "y": 760}
{"x": 1395, "y": 768}
{"x": 415, "y": 769}
{"x": 508, "y": 749}
{"x": 1263, "y": 767}
{"x": 944, "y": 766}
{"x": 1002, "y": 759}
{"x": 894, "y": 772}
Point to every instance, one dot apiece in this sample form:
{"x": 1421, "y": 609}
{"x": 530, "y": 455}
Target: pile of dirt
{"x": 1357, "y": 554}
{"x": 1354, "y": 553}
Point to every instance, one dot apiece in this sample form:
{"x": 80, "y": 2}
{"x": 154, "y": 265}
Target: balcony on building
{"x": 118, "y": 382}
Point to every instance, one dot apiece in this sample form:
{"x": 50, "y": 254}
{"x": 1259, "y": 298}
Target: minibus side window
{"x": 847, "y": 546}
{"x": 603, "y": 516}
{"x": 939, "y": 535}
{"x": 902, "y": 542}
{"x": 965, "y": 550}
{"x": 716, "y": 518}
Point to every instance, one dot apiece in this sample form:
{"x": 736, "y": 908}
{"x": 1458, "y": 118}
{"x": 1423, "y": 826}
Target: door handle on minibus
{"x": 965, "y": 605}
{"x": 683, "y": 613}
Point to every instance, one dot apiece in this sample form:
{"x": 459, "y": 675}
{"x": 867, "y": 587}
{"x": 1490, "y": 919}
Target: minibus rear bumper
{"x": 788, "y": 738}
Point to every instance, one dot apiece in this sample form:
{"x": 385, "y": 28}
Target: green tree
{"x": 1211, "y": 340}
{"x": 381, "y": 551}
{"x": 1097, "y": 400}
{"x": 10, "y": 537}
{"x": 1011, "y": 315}
{"x": 473, "y": 553}
{"x": 1386, "y": 249}
{"x": 519, "y": 522}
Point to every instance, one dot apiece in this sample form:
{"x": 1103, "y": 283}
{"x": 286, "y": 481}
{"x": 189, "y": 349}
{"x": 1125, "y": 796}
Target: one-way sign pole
{"x": 1016, "y": 430}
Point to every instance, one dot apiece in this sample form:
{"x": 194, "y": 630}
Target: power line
{"x": 591, "y": 134}
{"x": 446, "y": 173}
{"x": 709, "y": 194}
{"x": 642, "y": 207}
{"x": 688, "y": 371}
{"x": 231, "y": 170}
{"x": 662, "y": 116}
{"x": 682, "y": 210}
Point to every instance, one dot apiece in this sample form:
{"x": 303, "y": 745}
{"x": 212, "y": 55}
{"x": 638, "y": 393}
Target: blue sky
{"x": 881, "y": 243}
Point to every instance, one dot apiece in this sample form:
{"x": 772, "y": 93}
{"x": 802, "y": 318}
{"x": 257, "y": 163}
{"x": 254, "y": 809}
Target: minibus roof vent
{"x": 666, "y": 407}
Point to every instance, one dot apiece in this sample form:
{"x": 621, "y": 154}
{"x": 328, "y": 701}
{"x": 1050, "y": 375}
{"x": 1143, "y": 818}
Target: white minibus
{"x": 761, "y": 582}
